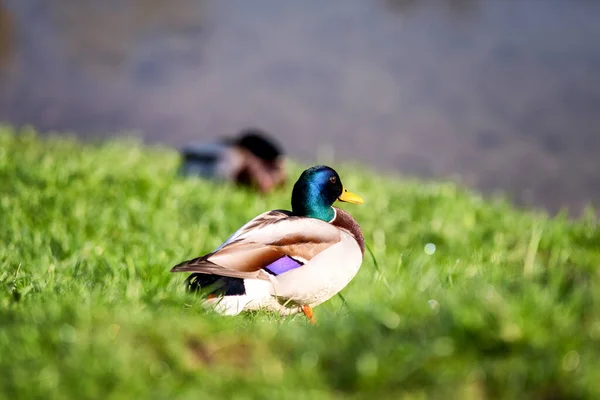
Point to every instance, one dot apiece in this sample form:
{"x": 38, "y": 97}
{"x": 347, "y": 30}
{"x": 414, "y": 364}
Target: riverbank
{"x": 461, "y": 296}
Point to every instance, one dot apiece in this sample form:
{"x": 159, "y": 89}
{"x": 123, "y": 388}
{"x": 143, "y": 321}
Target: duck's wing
{"x": 270, "y": 244}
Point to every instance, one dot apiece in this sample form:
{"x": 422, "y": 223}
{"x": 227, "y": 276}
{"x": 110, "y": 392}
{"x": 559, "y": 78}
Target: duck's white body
{"x": 329, "y": 255}
{"x": 314, "y": 283}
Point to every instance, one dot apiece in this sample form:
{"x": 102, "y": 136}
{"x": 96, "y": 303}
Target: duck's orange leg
{"x": 309, "y": 314}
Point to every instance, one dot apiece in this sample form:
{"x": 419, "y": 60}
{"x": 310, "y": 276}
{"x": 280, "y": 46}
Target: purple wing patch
{"x": 284, "y": 264}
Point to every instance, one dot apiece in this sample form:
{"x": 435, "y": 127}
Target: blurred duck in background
{"x": 251, "y": 159}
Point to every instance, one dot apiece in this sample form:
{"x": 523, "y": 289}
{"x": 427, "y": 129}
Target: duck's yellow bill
{"x": 350, "y": 197}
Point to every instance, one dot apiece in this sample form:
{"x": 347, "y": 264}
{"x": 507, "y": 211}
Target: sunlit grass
{"x": 505, "y": 305}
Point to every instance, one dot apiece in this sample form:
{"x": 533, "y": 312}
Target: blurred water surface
{"x": 500, "y": 95}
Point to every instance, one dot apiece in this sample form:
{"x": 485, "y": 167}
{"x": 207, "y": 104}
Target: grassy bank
{"x": 507, "y": 306}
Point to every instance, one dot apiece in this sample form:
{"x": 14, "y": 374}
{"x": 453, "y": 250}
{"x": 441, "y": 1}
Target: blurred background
{"x": 499, "y": 95}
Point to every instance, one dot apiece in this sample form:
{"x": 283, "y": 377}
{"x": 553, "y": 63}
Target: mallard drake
{"x": 285, "y": 261}
{"x": 252, "y": 159}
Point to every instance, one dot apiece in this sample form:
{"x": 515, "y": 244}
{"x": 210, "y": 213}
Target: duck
{"x": 284, "y": 261}
{"x": 251, "y": 159}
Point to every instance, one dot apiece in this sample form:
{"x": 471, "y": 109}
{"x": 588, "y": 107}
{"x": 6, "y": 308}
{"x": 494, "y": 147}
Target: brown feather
{"x": 245, "y": 257}
{"x": 206, "y": 267}
{"x": 264, "y": 220}
{"x": 261, "y": 242}
{"x": 305, "y": 250}
{"x": 183, "y": 266}
{"x": 345, "y": 221}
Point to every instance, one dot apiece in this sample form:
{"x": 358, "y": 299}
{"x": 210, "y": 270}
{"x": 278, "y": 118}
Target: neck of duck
{"x": 313, "y": 206}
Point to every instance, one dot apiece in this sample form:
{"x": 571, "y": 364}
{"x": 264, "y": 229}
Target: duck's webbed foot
{"x": 307, "y": 310}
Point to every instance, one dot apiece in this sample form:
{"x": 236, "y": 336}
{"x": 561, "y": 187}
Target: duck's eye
{"x": 333, "y": 179}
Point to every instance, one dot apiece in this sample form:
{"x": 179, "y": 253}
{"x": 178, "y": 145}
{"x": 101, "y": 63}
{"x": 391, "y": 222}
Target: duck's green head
{"x": 315, "y": 192}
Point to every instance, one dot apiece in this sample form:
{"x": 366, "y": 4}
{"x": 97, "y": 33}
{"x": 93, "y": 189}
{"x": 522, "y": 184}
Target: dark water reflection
{"x": 498, "y": 94}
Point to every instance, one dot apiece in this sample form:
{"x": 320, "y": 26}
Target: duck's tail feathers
{"x": 216, "y": 285}
{"x": 194, "y": 265}
{"x": 229, "y": 296}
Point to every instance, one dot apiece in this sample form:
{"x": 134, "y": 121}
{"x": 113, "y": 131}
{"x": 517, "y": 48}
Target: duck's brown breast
{"x": 345, "y": 221}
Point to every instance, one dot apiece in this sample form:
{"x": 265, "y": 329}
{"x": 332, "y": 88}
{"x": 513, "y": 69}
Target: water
{"x": 499, "y": 95}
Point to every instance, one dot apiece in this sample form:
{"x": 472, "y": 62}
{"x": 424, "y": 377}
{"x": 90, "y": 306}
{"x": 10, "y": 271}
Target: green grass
{"x": 506, "y": 307}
